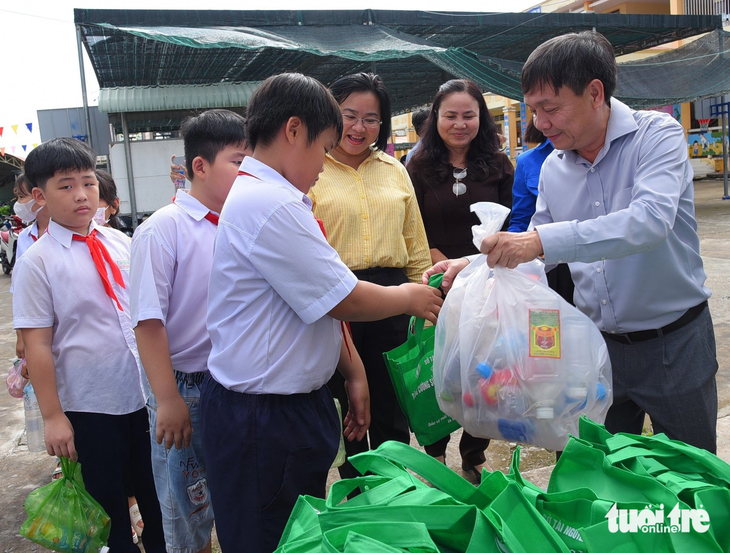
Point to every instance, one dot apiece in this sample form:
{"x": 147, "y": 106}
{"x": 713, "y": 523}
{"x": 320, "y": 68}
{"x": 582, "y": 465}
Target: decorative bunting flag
{"x": 25, "y": 146}
{"x": 36, "y": 145}
{"x": 13, "y": 148}
{"x": 15, "y": 128}
{"x": 2, "y": 152}
{"x": 30, "y": 127}
{"x": 1, "y": 131}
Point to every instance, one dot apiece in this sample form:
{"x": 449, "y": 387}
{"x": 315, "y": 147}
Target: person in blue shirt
{"x": 527, "y": 176}
{"x": 616, "y": 203}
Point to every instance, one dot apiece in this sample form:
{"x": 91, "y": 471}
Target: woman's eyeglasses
{"x": 368, "y": 122}
{"x": 459, "y": 187}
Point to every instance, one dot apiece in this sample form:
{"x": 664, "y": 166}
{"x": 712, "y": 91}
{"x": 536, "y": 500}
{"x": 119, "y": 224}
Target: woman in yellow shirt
{"x": 371, "y": 216}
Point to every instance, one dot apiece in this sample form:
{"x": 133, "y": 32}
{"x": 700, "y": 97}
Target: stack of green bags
{"x": 619, "y": 493}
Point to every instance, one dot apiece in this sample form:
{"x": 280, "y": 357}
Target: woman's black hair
{"x": 432, "y": 157}
{"x": 366, "y": 82}
{"x": 532, "y": 135}
{"x": 108, "y": 193}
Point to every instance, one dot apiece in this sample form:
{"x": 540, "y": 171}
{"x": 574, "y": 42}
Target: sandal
{"x": 472, "y": 472}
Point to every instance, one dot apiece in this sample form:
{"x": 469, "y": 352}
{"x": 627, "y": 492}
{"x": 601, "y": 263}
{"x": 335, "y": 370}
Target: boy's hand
{"x": 357, "y": 420}
{"x": 450, "y": 268}
{"x": 173, "y": 423}
{"x": 60, "y": 437}
{"x": 423, "y": 301}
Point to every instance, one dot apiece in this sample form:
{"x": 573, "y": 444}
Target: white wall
{"x": 151, "y": 169}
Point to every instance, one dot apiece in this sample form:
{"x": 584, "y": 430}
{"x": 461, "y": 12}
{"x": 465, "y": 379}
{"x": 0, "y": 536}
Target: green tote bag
{"x": 410, "y": 366}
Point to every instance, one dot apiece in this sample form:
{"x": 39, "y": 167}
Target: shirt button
{"x": 560, "y": 261}
{"x": 366, "y": 238}
{"x": 593, "y": 169}
{"x": 598, "y": 270}
{"x": 598, "y": 203}
{"x": 362, "y": 196}
{"x": 604, "y": 302}
{"x": 603, "y": 259}
{"x": 364, "y": 216}
{"x": 367, "y": 260}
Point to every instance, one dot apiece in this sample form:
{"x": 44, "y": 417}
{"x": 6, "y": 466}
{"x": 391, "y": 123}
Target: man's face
{"x": 569, "y": 121}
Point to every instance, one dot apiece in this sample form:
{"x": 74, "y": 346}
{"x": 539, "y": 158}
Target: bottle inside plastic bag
{"x": 512, "y": 359}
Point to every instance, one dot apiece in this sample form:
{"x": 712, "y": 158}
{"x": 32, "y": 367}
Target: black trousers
{"x": 372, "y": 339}
{"x": 112, "y": 449}
{"x": 262, "y": 452}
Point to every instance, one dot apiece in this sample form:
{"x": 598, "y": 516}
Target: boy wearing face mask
{"x": 28, "y": 210}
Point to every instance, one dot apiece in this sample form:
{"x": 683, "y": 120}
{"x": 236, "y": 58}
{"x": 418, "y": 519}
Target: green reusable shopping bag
{"x": 410, "y": 366}
{"x": 63, "y": 516}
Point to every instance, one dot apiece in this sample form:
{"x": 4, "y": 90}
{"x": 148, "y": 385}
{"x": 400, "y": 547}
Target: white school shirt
{"x": 172, "y": 253}
{"x": 94, "y": 351}
{"x": 274, "y": 279}
{"x": 26, "y": 239}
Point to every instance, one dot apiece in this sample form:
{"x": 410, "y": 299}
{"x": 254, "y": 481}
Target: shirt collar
{"x": 620, "y": 123}
{"x": 34, "y": 229}
{"x": 64, "y": 236}
{"x": 263, "y": 172}
{"x": 191, "y": 205}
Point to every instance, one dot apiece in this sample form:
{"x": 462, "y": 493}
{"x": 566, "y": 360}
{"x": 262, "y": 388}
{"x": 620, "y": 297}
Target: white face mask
{"x": 100, "y": 217}
{"x": 24, "y": 210}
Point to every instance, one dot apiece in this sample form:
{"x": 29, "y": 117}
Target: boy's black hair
{"x": 22, "y": 184}
{"x": 108, "y": 193}
{"x": 419, "y": 119}
{"x": 367, "y": 82}
{"x": 58, "y": 154}
{"x": 572, "y": 60}
{"x": 291, "y": 95}
{"x": 205, "y": 135}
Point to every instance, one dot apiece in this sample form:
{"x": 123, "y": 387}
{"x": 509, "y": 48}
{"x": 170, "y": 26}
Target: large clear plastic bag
{"x": 512, "y": 359}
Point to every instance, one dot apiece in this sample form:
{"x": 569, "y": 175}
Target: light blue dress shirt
{"x": 626, "y": 223}
{"x": 273, "y": 280}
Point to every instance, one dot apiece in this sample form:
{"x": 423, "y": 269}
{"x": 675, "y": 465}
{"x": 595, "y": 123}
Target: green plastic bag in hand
{"x": 63, "y": 516}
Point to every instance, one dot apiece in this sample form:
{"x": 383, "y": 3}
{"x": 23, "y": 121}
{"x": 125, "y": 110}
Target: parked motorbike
{"x": 11, "y": 228}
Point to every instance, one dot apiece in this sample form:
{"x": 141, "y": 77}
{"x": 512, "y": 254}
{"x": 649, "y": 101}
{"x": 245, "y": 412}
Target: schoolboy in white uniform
{"x": 172, "y": 253}
{"x": 277, "y": 293}
{"x": 71, "y": 304}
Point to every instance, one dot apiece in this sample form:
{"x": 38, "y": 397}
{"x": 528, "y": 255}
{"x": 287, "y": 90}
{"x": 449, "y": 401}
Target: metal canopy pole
{"x": 83, "y": 87}
{"x": 722, "y": 111}
{"x": 130, "y": 174}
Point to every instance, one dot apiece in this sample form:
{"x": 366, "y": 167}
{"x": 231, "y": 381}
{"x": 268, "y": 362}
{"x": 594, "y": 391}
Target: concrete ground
{"x": 23, "y": 471}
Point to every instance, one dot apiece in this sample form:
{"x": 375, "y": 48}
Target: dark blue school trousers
{"x": 264, "y": 451}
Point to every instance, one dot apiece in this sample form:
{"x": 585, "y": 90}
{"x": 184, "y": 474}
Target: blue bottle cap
{"x": 600, "y": 392}
{"x": 485, "y": 370}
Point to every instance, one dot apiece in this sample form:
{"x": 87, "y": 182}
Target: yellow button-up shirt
{"x": 371, "y": 215}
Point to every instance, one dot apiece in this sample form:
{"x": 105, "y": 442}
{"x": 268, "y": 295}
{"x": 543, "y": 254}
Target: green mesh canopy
{"x": 413, "y": 52}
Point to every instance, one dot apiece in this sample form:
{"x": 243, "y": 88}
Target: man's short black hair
{"x": 367, "y": 82}
{"x": 419, "y": 119}
{"x": 291, "y": 95}
{"x": 572, "y": 60}
{"x": 58, "y": 154}
{"x": 205, "y": 135}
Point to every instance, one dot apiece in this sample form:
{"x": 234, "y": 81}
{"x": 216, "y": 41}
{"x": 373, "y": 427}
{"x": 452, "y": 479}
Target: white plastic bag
{"x": 512, "y": 359}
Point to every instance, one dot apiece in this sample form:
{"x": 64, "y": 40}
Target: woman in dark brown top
{"x": 457, "y": 164}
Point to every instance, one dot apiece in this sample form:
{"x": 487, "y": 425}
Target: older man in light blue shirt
{"x": 616, "y": 202}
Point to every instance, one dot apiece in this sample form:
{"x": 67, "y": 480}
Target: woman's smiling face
{"x": 357, "y": 136}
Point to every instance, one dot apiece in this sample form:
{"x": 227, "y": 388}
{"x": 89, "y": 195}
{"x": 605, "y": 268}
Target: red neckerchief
{"x": 212, "y": 217}
{"x": 100, "y": 254}
{"x": 343, "y": 324}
